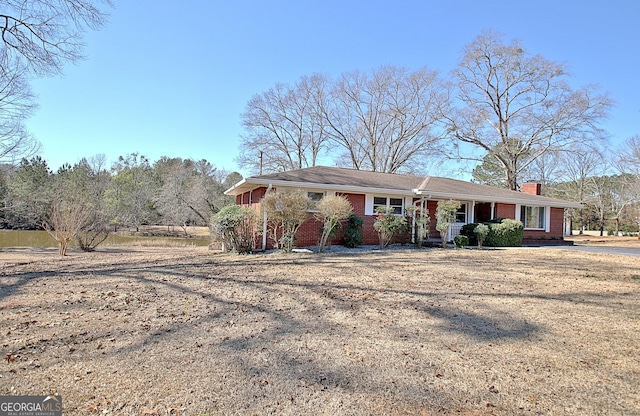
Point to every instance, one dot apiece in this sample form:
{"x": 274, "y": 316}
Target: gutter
{"x": 542, "y": 200}
{"x": 234, "y": 187}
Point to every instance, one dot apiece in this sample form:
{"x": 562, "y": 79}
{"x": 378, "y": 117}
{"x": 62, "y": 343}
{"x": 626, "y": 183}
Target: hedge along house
{"x": 543, "y": 217}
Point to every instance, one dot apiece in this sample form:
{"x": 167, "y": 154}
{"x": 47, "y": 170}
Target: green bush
{"x": 461, "y": 241}
{"x": 503, "y": 232}
{"x": 353, "y": 231}
{"x": 481, "y": 232}
{"x": 468, "y": 231}
{"x": 509, "y": 233}
{"x": 388, "y": 225}
{"x": 235, "y": 226}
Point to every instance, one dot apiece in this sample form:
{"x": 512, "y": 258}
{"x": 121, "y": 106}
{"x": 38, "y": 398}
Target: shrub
{"x": 445, "y": 214}
{"x": 235, "y": 227}
{"x": 468, "y": 231}
{"x": 353, "y": 231}
{"x": 421, "y": 221}
{"x": 388, "y": 225}
{"x": 461, "y": 241}
{"x": 509, "y": 233}
{"x": 501, "y": 233}
{"x": 286, "y": 211}
{"x": 481, "y": 232}
{"x": 331, "y": 210}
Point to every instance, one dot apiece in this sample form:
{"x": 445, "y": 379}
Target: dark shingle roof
{"x": 410, "y": 185}
{"x": 348, "y": 177}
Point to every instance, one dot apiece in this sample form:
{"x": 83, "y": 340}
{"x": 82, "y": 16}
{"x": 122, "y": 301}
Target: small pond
{"x": 30, "y": 238}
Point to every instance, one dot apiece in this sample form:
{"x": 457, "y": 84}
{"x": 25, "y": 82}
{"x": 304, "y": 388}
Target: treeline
{"x": 611, "y": 203}
{"x": 130, "y": 193}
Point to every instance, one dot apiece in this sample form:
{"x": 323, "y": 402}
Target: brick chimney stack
{"x": 531, "y": 188}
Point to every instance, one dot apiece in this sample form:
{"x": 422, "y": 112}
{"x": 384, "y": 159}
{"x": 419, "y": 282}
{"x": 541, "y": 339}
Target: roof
{"x": 360, "y": 181}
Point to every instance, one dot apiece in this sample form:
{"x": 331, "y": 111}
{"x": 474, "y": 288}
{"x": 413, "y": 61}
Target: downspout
{"x": 264, "y": 223}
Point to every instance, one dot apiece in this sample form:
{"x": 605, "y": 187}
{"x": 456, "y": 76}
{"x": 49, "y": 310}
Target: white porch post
{"x": 472, "y": 213}
{"x": 493, "y": 210}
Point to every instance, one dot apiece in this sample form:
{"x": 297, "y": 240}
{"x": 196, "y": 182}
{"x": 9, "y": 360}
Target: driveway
{"x": 621, "y": 251}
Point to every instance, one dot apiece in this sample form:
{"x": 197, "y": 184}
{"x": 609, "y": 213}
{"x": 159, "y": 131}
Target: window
{"x": 532, "y": 217}
{"x": 461, "y": 214}
{"x": 395, "y": 205}
{"x": 315, "y": 197}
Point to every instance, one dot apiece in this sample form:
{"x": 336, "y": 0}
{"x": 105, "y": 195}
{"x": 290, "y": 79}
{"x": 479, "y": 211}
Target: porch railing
{"x": 454, "y": 230}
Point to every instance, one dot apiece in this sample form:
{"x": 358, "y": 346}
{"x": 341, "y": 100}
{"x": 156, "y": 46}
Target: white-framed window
{"x": 315, "y": 197}
{"x": 533, "y": 217}
{"x": 461, "y": 214}
{"x": 395, "y": 205}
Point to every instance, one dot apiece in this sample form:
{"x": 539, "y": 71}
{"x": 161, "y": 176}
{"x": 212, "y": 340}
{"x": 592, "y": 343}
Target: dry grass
{"x": 183, "y": 331}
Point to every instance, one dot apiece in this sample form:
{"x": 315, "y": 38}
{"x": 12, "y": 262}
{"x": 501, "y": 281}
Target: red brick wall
{"x": 357, "y": 202}
{"x": 531, "y": 188}
{"x": 556, "y": 229}
{"x": 309, "y": 232}
{"x": 257, "y": 194}
{"x": 505, "y": 211}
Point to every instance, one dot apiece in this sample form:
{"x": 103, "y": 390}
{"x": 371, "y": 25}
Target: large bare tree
{"x": 17, "y": 103}
{"x": 386, "y": 121}
{"x": 38, "y": 38}
{"x": 578, "y": 166}
{"x": 46, "y": 34}
{"x": 284, "y": 127}
{"x": 517, "y": 106}
{"x": 630, "y": 155}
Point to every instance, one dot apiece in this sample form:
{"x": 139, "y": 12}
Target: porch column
{"x": 493, "y": 210}
{"x": 472, "y": 213}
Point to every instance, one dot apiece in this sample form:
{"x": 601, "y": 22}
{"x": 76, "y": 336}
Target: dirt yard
{"x": 184, "y": 331}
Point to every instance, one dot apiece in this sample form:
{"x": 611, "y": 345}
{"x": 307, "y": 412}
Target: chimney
{"x": 531, "y": 188}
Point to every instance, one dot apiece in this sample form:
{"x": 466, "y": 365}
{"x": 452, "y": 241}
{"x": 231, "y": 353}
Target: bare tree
{"x": 285, "y": 211}
{"x": 64, "y": 222}
{"x": 38, "y": 37}
{"x": 522, "y": 102}
{"x": 189, "y": 192}
{"x": 630, "y": 155}
{"x": 45, "y": 34}
{"x": 386, "y": 121}
{"x": 630, "y": 164}
{"x": 17, "y": 103}
{"x": 578, "y": 166}
{"x": 284, "y": 127}
{"x": 87, "y": 183}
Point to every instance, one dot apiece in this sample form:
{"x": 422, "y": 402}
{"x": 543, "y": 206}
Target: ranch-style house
{"x": 543, "y": 217}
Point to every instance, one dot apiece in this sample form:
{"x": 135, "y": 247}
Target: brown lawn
{"x": 135, "y": 331}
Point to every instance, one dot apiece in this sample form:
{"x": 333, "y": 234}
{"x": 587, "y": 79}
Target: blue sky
{"x": 167, "y": 78}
